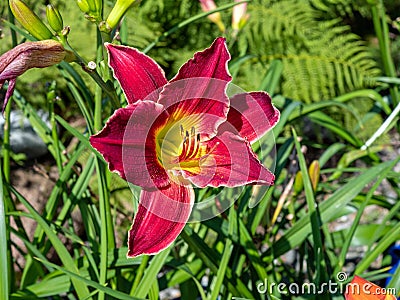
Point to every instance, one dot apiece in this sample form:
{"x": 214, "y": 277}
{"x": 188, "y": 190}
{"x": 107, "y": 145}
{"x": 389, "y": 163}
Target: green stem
{"x": 103, "y": 199}
{"x": 5, "y": 267}
{"x": 108, "y": 89}
{"x": 6, "y": 142}
{"x": 107, "y": 241}
{"x": 54, "y": 135}
{"x": 11, "y": 19}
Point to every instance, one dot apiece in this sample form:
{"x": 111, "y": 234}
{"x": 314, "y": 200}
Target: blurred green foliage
{"x": 320, "y": 68}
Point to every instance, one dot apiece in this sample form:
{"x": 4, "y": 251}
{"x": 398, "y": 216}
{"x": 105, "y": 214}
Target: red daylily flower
{"x": 361, "y": 289}
{"x": 178, "y": 133}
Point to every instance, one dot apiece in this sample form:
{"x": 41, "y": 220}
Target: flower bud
{"x": 83, "y": 5}
{"x": 314, "y": 171}
{"x": 239, "y": 16}
{"x": 29, "y": 20}
{"x": 95, "y": 9}
{"x": 207, "y": 5}
{"x": 118, "y": 11}
{"x": 54, "y": 18}
{"x": 99, "y": 6}
{"x": 40, "y": 54}
{"x": 298, "y": 183}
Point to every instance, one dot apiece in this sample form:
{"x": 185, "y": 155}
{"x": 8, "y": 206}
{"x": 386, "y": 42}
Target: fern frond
{"x": 321, "y": 58}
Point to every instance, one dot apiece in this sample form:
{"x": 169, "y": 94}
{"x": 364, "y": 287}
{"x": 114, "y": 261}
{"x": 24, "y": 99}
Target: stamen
{"x": 191, "y": 145}
{"x": 182, "y": 131}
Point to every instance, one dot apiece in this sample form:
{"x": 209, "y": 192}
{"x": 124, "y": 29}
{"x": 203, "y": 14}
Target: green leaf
{"x": 328, "y": 210}
{"x": 388, "y": 239}
{"x": 150, "y": 275}
{"x": 211, "y": 259}
{"x": 4, "y": 284}
{"x": 62, "y": 252}
{"x": 77, "y": 277}
{"x": 219, "y": 277}
{"x": 313, "y": 213}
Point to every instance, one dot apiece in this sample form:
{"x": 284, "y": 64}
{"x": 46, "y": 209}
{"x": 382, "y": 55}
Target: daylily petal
{"x": 28, "y": 55}
{"x": 231, "y": 162}
{"x": 210, "y": 63}
{"x": 127, "y": 142}
{"x": 199, "y": 88}
{"x": 10, "y": 91}
{"x": 362, "y": 289}
{"x": 201, "y": 103}
{"x": 139, "y": 76}
{"x": 161, "y": 216}
{"x": 252, "y": 115}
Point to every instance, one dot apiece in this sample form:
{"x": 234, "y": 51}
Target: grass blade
{"x": 77, "y": 277}
{"x": 4, "y": 288}
{"x": 312, "y": 212}
{"x": 328, "y": 210}
{"x": 62, "y": 252}
{"x": 216, "y": 287}
{"x": 150, "y": 275}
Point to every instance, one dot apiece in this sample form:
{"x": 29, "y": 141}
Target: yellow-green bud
{"x": 54, "y": 18}
{"x": 99, "y": 6}
{"x": 92, "y": 5}
{"x": 314, "y": 171}
{"x": 29, "y": 20}
{"x": 298, "y": 183}
{"x": 95, "y": 10}
{"x": 83, "y": 5}
{"x": 118, "y": 12}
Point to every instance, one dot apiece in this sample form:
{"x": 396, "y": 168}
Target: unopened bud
{"x": 83, "y": 5}
{"x": 208, "y": 5}
{"x": 239, "y": 16}
{"x": 54, "y": 18}
{"x": 298, "y": 183}
{"x": 314, "y": 171}
{"x": 91, "y": 8}
{"x": 29, "y": 20}
{"x": 118, "y": 11}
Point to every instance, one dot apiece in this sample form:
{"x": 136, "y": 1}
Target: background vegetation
{"x": 332, "y": 68}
